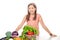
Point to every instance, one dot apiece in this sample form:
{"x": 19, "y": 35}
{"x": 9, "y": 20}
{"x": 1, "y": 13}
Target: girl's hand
{"x": 53, "y": 35}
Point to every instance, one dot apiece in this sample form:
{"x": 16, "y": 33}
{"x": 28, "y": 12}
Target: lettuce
{"x": 29, "y": 28}
{"x": 26, "y": 29}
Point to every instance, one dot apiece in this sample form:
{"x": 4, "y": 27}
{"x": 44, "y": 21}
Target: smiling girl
{"x": 33, "y": 19}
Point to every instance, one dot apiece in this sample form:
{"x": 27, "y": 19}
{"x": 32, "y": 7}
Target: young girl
{"x": 33, "y": 19}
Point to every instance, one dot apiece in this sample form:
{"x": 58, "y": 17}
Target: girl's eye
{"x": 31, "y": 8}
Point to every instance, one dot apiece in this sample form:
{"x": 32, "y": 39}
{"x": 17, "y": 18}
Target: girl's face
{"x": 31, "y": 9}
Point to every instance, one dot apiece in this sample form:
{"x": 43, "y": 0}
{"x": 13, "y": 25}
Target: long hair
{"x": 28, "y": 15}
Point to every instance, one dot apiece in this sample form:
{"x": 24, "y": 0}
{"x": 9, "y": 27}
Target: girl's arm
{"x": 44, "y": 26}
{"x": 21, "y": 24}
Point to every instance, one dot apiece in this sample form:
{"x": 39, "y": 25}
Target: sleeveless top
{"x": 34, "y": 23}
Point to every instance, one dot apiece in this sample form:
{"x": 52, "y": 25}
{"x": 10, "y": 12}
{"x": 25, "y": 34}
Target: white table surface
{"x": 49, "y": 38}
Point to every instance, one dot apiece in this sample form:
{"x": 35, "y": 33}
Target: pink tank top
{"x": 34, "y": 23}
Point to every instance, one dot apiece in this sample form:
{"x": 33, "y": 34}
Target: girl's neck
{"x": 31, "y": 14}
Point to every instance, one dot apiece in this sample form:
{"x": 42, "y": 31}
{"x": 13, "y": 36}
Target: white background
{"x": 13, "y": 11}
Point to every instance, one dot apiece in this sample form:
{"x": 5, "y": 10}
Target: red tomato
{"x": 30, "y": 33}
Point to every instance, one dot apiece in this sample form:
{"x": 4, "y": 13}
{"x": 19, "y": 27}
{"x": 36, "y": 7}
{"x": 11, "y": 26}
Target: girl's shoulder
{"x": 38, "y": 15}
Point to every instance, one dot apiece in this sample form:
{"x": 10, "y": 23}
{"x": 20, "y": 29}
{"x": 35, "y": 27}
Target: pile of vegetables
{"x": 29, "y": 32}
{"x": 12, "y": 36}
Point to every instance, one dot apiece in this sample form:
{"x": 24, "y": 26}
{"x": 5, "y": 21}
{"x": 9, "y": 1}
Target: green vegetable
{"x": 8, "y": 35}
{"x": 29, "y": 28}
{"x": 25, "y": 30}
